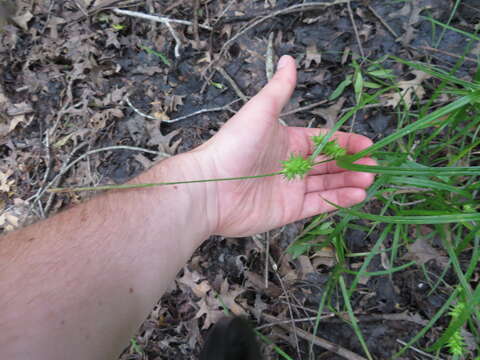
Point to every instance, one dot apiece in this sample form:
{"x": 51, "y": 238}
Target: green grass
{"x": 428, "y": 175}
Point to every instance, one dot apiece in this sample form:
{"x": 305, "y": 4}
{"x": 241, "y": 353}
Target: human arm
{"x": 78, "y": 284}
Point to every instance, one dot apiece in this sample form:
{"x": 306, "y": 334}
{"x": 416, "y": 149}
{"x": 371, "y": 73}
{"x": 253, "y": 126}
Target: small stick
{"x": 323, "y": 343}
{"x": 160, "y": 19}
{"x": 419, "y": 351}
{"x": 279, "y": 322}
{"x": 355, "y": 30}
{"x": 290, "y": 310}
{"x": 202, "y": 111}
{"x": 196, "y": 6}
{"x": 428, "y": 48}
{"x": 233, "y": 84}
{"x": 303, "y": 108}
{"x": 267, "y": 255}
{"x": 80, "y": 158}
{"x": 269, "y": 63}
{"x": 384, "y": 23}
{"x": 178, "y": 42}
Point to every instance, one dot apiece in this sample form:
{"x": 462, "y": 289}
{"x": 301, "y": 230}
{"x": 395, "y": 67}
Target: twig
{"x": 384, "y": 23}
{"x": 290, "y": 9}
{"x": 355, "y": 30}
{"x": 267, "y": 255}
{"x": 325, "y": 344}
{"x": 59, "y": 178}
{"x": 178, "y": 42}
{"x": 202, "y": 111}
{"x": 81, "y": 8}
{"x": 419, "y": 351}
{"x": 280, "y": 322}
{"x": 232, "y": 83}
{"x": 127, "y": 100}
{"x": 303, "y": 108}
{"x": 224, "y": 11}
{"x": 196, "y": 5}
{"x": 428, "y": 48}
{"x": 290, "y": 311}
{"x": 160, "y": 19}
{"x": 411, "y": 203}
{"x": 269, "y": 63}
{"x": 67, "y": 167}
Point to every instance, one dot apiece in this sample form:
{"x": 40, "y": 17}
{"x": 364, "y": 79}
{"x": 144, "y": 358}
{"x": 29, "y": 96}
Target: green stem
{"x": 140, "y": 186}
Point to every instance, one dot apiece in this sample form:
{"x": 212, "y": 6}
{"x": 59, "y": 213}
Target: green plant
{"x": 456, "y": 342}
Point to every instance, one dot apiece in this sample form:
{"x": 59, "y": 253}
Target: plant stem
{"x": 140, "y": 186}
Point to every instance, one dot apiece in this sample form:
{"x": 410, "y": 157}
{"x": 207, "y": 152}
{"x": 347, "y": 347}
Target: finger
{"x": 302, "y": 140}
{"x": 340, "y": 180}
{"x": 332, "y": 168}
{"x": 268, "y": 103}
{"x": 315, "y": 203}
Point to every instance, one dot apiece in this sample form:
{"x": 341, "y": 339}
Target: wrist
{"x": 194, "y": 205}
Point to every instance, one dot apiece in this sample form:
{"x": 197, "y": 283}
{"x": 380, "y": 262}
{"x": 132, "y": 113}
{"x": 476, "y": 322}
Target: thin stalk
{"x": 148, "y": 185}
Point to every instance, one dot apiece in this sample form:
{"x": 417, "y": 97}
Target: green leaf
{"x": 358, "y": 86}
{"x": 417, "y": 125}
{"x": 162, "y": 57}
{"x": 347, "y": 163}
{"x": 341, "y": 88}
{"x": 383, "y": 74}
{"x": 372, "y": 85}
{"x": 217, "y": 85}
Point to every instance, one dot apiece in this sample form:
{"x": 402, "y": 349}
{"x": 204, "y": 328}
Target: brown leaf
{"x": 330, "y": 114}
{"x": 422, "y": 252}
{"x": 312, "y": 55}
{"x": 410, "y": 90}
{"x": 162, "y": 141}
{"x": 23, "y": 19}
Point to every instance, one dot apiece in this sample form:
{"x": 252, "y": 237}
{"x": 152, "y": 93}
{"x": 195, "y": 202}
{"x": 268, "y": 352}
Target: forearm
{"x": 79, "y": 284}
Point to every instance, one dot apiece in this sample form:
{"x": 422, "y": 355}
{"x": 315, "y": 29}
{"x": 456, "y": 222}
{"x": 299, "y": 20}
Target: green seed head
{"x": 296, "y": 166}
{"x": 331, "y": 148}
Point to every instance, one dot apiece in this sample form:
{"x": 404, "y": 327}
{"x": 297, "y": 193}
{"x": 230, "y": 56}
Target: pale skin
{"x": 79, "y": 284}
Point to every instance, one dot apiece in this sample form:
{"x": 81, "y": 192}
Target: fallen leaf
{"x": 326, "y": 257}
{"x": 193, "y": 280}
{"x": 5, "y": 183}
{"x": 422, "y": 252}
{"x": 15, "y": 121}
{"x": 19, "y": 109}
{"x": 330, "y": 114}
{"x": 312, "y": 55}
{"x": 23, "y": 19}
{"x": 410, "y": 90}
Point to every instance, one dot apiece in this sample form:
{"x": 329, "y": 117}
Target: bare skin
{"x": 77, "y": 285}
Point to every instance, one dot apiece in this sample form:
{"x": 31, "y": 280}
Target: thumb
{"x": 269, "y": 102}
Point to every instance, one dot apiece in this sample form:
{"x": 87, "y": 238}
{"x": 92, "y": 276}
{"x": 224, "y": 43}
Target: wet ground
{"x": 77, "y": 77}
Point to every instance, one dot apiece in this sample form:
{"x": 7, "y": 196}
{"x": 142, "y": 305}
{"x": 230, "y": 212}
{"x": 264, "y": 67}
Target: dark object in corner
{"x": 231, "y": 339}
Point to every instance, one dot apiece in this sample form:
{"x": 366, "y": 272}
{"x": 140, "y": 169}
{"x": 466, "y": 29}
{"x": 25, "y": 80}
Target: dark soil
{"x": 66, "y": 74}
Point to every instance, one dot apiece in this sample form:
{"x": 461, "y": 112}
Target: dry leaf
{"x": 326, "y": 257}
{"x": 330, "y": 114}
{"x": 191, "y": 280}
{"x": 212, "y": 315}
{"x": 410, "y": 90}
{"x": 312, "y": 55}
{"x": 5, "y": 184}
{"x": 22, "y": 20}
{"x": 422, "y": 252}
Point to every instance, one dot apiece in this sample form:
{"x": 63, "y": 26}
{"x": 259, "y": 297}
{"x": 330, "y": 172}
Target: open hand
{"x": 253, "y": 142}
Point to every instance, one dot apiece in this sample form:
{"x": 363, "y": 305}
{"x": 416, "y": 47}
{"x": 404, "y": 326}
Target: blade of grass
{"x": 352, "y": 317}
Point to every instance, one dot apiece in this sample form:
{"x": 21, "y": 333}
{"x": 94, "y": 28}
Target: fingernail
{"x": 282, "y": 62}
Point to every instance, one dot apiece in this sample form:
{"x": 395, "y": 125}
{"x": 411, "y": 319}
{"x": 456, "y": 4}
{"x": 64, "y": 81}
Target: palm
{"x": 253, "y": 143}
